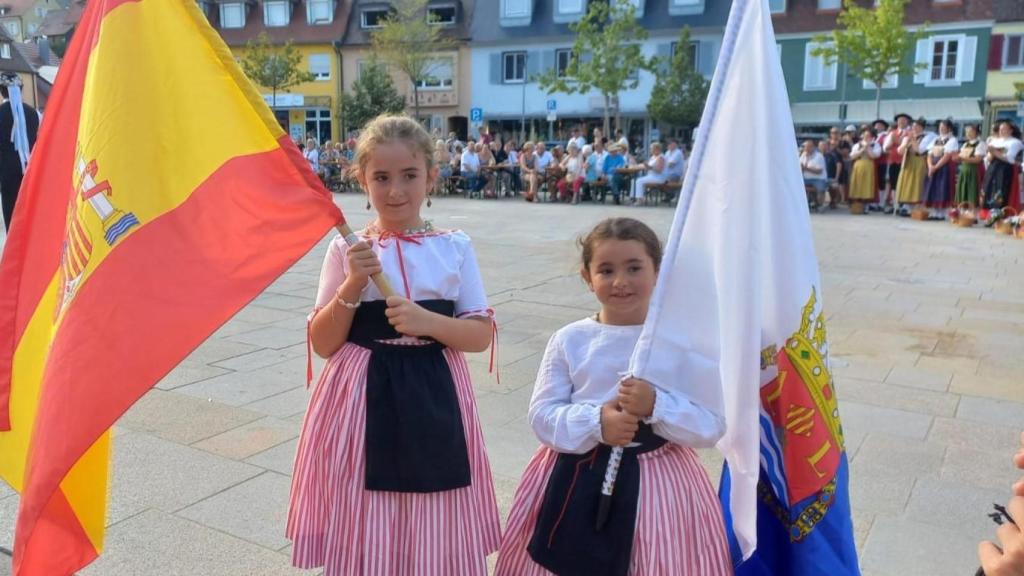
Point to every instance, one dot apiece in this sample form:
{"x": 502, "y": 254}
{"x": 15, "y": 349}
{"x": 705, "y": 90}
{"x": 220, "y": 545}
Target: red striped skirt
{"x": 335, "y": 523}
{"x": 679, "y": 526}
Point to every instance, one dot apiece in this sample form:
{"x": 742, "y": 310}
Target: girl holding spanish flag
{"x": 391, "y": 476}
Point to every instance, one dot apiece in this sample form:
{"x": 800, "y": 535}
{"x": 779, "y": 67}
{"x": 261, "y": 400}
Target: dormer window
{"x": 374, "y": 17}
{"x": 320, "y": 11}
{"x": 516, "y": 8}
{"x": 569, "y": 10}
{"x": 276, "y": 13}
{"x": 685, "y": 7}
{"x": 232, "y": 15}
{"x": 443, "y": 15}
{"x": 5, "y": 51}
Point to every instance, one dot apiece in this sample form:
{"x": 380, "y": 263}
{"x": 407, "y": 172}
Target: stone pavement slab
{"x": 925, "y": 324}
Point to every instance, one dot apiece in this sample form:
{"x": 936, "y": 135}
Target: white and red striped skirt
{"x": 334, "y": 522}
{"x": 679, "y": 526}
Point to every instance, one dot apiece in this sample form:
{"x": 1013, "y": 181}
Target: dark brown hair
{"x": 621, "y": 229}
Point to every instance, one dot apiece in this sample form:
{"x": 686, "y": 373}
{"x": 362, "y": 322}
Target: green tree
{"x": 605, "y": 57}
{"x": 372, "y": 94}
{"x": 409, "y": 41}
{"x": 275, "y": 67}
{"x": 680, "y": 90}
{"x": 871, "y": 42}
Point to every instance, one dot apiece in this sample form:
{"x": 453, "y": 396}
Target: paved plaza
{"x": 926, "y": 326}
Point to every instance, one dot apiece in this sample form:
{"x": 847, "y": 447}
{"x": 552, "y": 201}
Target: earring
{"x": 368, "y": 204}
{"x": 429, "y": 203}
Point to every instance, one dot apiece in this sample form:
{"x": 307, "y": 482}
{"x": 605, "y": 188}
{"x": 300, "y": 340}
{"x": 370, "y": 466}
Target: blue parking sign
{"x": 552, "y": 104}
{"x": 476, "y": 114}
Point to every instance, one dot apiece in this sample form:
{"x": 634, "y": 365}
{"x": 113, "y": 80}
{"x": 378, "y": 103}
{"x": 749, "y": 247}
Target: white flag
{"x": 740, "y": 281}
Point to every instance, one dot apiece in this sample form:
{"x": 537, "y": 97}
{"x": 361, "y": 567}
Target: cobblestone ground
{"x": 927, "y": 332}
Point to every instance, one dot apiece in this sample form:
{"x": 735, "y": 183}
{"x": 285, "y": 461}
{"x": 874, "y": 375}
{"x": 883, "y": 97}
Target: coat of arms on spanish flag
{"x": 162, "y": 197}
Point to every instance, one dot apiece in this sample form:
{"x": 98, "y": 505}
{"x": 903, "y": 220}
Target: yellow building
{"x": 1005, "y": 82}
{"x": 445, "y": 99}
{"x": 315, "y": 28}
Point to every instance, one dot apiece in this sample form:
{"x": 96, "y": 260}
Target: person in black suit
{"x": 11, "y": 165}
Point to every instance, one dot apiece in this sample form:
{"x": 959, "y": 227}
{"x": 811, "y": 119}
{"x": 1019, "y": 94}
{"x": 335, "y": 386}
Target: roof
{"x": 30, "y": 52}
{"x": 356, "y": 35}
{"x": 487, "y": 28}
{"x": 16, "y": 7}
{"x": 61, "y": 21}
{"x": 16, "y": 63}
{"x": 298, "y": 30}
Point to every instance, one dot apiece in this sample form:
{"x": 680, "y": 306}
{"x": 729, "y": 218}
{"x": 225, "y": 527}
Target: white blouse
{"x": 581, "y": 369}
{"x": 1011, "y": 145}
{"x": 432, "y": 265}
{"x": 874, "y": 151}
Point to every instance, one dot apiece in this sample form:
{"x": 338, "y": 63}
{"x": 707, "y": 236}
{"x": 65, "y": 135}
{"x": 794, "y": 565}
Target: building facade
{"x": 444, "y": 97}
{"x": 952, "y": 84}
{"x": 514, "y": 40}
{"x": 1005, "y": 81}
{"x": 315, "y": 28}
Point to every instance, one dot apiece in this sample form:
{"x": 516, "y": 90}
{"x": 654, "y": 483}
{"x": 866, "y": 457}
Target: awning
{"x": 861, "y": 112}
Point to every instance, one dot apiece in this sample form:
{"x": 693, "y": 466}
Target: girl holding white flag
{"x": 665, "y": 517}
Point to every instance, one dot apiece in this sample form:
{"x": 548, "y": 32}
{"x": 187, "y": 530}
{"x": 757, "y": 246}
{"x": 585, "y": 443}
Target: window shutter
{"x": 496, "y": 61}
{"x": 995, "y": 52}
{"x": 664, "y": 52}
{"x": 970, "y": 53}
{"x": 924, "y": 52}
{"x": 707, "y": 54}
{"x": 547, "y": 60}
{"x": 532, "y": 64}
{"x": 812, "y": 68}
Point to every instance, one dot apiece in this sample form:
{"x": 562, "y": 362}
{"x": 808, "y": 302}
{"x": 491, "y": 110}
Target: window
{"x": 513, "y": 68}
{"x": 817, "y": 74}
{"x": 681, "y": 3}
{"x": 639, "y": 5}
{"x": 320, "y": 66}
{"x": 694, "y": 53}
{"x": 40, "y": 11}
{"x": 5, "y": 50}
{"x": 685, "y": 7}
{"x": 232, "y": 15}
{"x": 570, "y": 6}
{"x": 562, "y": 59}
{"x": 275, "y": 13}
{"x": 1013, "y": 55}
{"x": 318, "y": 125}
{"x": 320, "y": 11}
{"x": 830, "y": 4}
{"x": 374, "y": 18}
{"x": 439, "y": 75}
{"x": 518, "y": 8}
{"x": 13, "y": 28}
{"x": 944, "y": 58}
{"x": 442, "y": 15}
{"x": 777, "y": 6}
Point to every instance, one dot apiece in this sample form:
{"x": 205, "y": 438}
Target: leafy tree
{"x": 605, "y": 57}
{"x": 871, "y": 42}
{"x": 372, "y": 94}
{"x": 275, "y": 67}
{"x": 680, "y": 90}
{"x": 409, "y": 41}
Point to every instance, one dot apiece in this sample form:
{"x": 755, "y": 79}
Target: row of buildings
{"x": 974, "y": 51}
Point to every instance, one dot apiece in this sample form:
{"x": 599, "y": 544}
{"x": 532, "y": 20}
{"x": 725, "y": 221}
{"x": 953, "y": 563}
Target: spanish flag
{"x": 161, "y": 198}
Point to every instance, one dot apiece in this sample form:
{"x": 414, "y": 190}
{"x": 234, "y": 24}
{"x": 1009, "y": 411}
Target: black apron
{"x": 415, "y": 440}
{"x": 565, "y": 540}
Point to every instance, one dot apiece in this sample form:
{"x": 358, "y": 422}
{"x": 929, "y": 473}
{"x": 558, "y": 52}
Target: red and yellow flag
{"x": 162, "y": 197}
